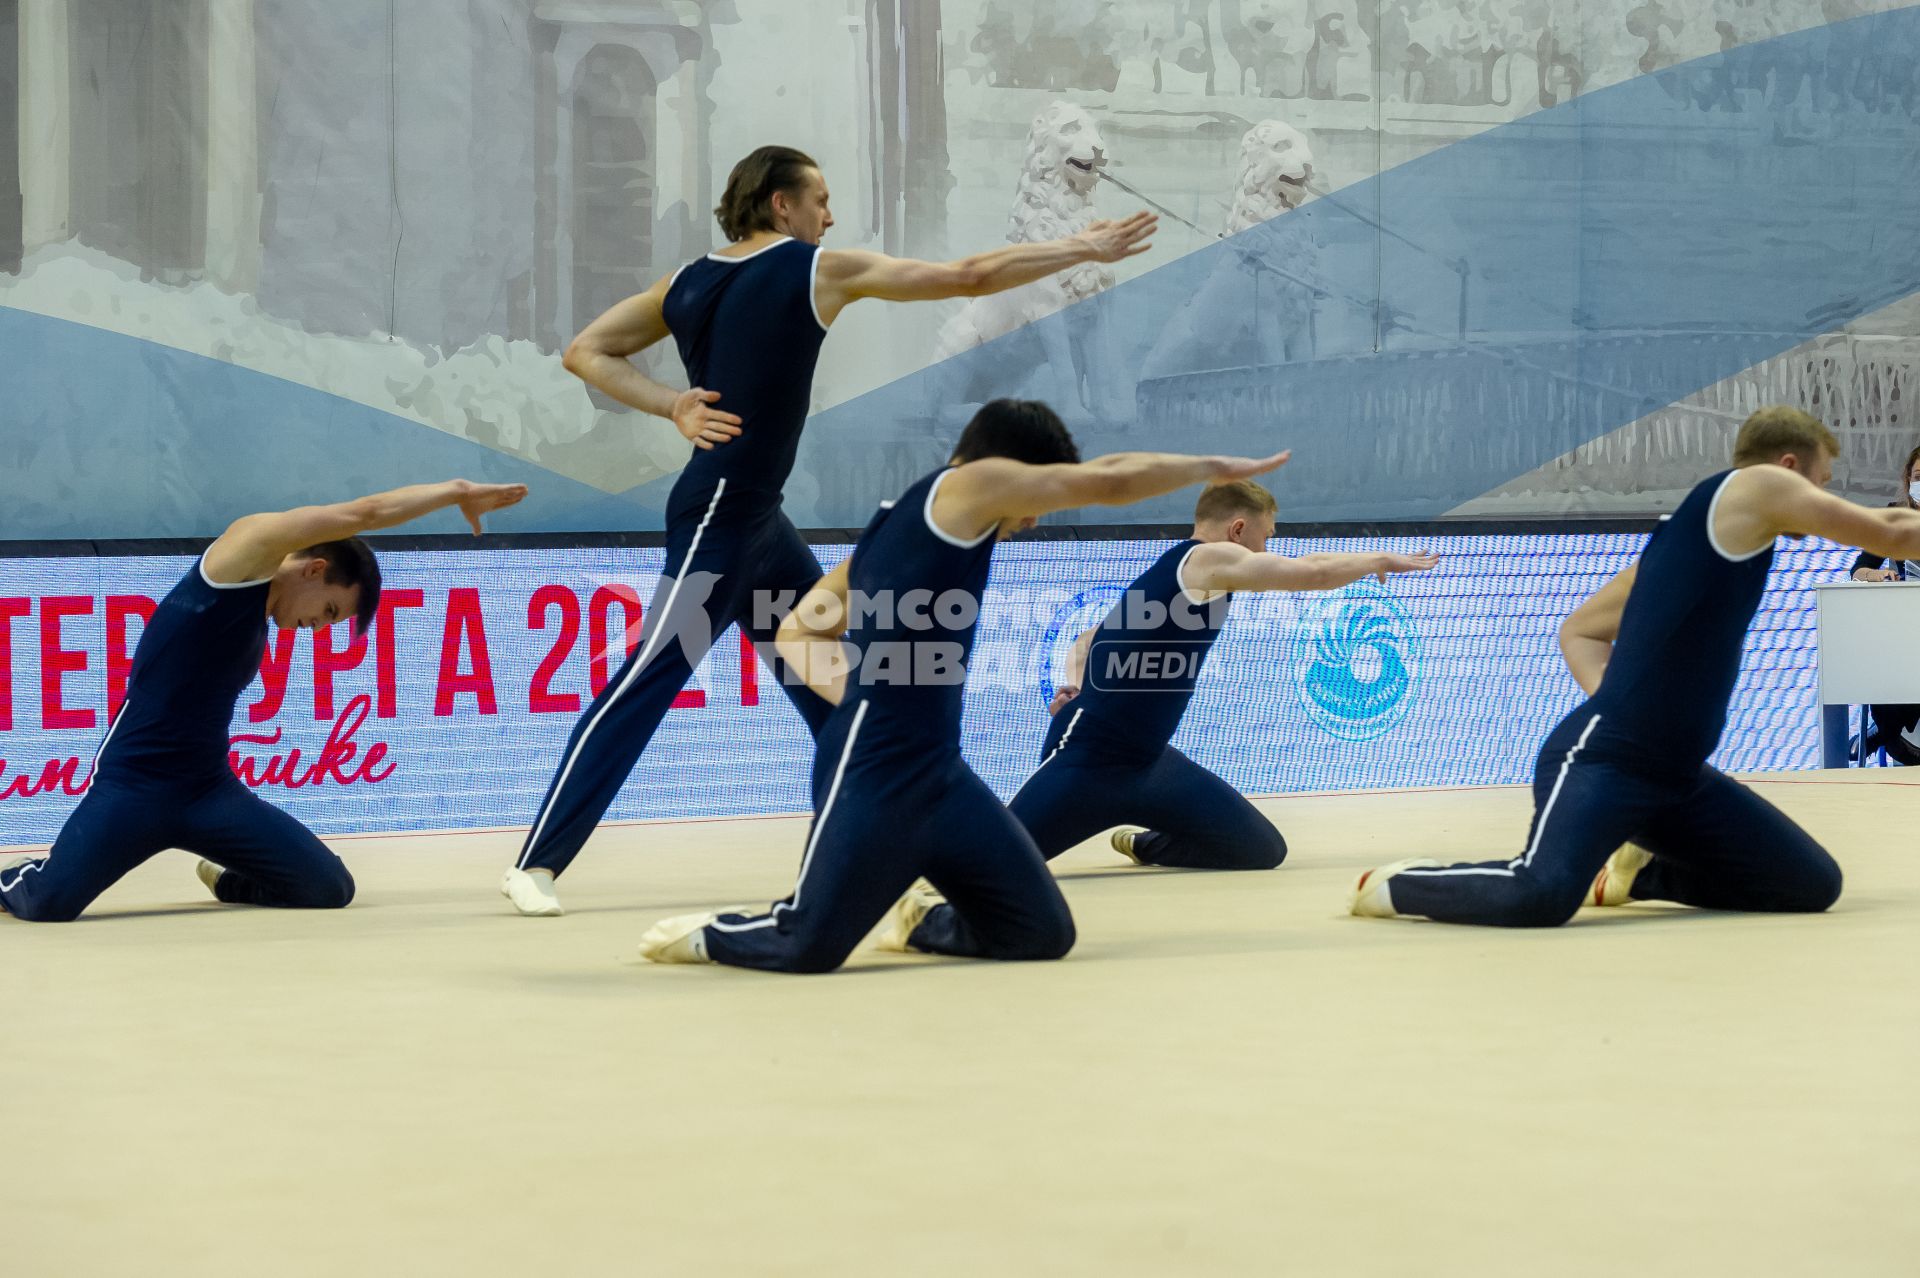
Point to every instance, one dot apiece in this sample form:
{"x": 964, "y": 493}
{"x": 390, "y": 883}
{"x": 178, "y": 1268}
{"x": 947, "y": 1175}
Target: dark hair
{"x": 350, "y": 562}
{"x": 1024, "y": 429}
{"x": 747, "y": 204}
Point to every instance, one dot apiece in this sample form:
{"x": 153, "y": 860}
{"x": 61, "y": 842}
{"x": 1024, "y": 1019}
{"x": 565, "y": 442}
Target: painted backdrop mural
{"x": 1507, "y": 257}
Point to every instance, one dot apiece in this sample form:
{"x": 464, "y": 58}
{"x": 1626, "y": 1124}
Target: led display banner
{"x": 452, "y": 710}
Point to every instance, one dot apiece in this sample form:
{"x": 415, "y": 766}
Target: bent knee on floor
{"x": 1819, "y": 888}
{"x": 1268, "y": 855}
{"x": 332, "y": 893}
{"x": 1053, "y": 941}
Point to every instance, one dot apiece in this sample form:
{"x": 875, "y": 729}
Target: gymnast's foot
{"x": 1614, "y": 884}
{"x": 896, "y": 930}
{"x": 1122, "y": 841}
{"x": 680, "y": 939}
{"x": 531, "y": 892}
{"x": 1372, "y": 895}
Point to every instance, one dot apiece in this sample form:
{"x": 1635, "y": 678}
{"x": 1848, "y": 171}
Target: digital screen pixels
{"x": 494, "y": 657}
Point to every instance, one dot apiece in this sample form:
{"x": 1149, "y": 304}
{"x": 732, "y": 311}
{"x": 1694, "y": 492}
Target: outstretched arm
{"x": 602, "y": 357}
{"x": 1225, "y": 565}
{"x": 809, "y": 637}
{"x": 981, "y": 494}
{"x": 1760, "y": 503}
{"x": 847, "y": 275}
{"x": 1587, "y": 635}
{"x": 253, "y": 546}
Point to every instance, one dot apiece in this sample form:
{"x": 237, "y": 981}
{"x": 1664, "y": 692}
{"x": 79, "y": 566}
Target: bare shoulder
{"x": 242, "y": 553}
{"x": 985, "y": 474}
{"x": 1761, "y": 487}
{"x": 842, "y": 264}
{"x": 1216, "y": 554}
{"x": 1210, "y": 567}
{"x": 963, "y": 499}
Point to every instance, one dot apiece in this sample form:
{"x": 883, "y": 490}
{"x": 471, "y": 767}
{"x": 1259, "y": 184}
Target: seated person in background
{"x": 1868, "y": 566}
{"x": 1895, "y": 729}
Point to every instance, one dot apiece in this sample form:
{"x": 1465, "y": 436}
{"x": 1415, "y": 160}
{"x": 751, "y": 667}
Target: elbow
{"x": 364, "y": 512}
{"x": 790, "y": 643}
{"x": 1569, "y": 638}
{"x": 1109, "y": 481}
{"x": 577, "y": 358}
{"x": 970, "y": 278}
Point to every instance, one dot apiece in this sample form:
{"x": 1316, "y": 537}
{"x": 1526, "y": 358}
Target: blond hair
{"x": 1232, "y": 498}
{"x": 1778, "y": 429}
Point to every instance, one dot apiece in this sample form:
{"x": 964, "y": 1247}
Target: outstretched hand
{"x": 482, "y": 499}
{"x": 1420, "y": 561}
{"x": 1226, "y": 468}
{"x": 1109, "y": 240}
{"x": 696, "y": 418}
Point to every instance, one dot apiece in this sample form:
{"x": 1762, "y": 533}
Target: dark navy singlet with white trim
{"x": 748, "y": 328}
{"x": 1663, "y": 699}
{"x": 1147, "y": 653}
{"x": 193, "y": 661}
{"x": 917, "y": 592}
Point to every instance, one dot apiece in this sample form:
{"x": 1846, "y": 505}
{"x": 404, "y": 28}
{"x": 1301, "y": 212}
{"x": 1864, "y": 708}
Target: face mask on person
{"x": 1913, "y": 490}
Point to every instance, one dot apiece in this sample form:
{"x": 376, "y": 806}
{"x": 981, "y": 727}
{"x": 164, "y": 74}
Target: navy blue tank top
{"x": 914, "y": 593}
{"x": 748, "y": 328}
{"x": 193, "y": 661}
{"x": 1663, "y": 699}
{"x": 1147, "y": 652}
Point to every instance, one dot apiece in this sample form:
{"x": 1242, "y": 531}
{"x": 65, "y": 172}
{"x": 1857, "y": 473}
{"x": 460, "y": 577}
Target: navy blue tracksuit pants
{"x": 1092, "y": 778}
{"x": 1716, "y": 845}
{"x": 269, "y": 858}
{"x": 717, "y": 565}
{"x": 892, "y": 805}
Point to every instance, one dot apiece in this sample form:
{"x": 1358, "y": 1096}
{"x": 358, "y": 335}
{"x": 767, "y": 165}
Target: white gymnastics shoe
{"x": 1372, "y": 897}
{"x": 680, "y": 939}
{"x": 896, "y": 930}
{"x": 531, "y": 894}
{"x": 1614, "y": 883}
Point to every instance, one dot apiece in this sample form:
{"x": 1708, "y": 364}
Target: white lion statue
{"x": 1053, "y": 198}
{"x": 1256, "y": 305}
{"x": 1276, "y": 163}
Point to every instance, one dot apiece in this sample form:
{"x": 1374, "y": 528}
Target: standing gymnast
{"x": 1106, "y": 758}
{"x": 885, "y": 637}
{"x": 1657, "y": 650}
{"x": 161, "y": 777}
{"x": 748, "y": 322}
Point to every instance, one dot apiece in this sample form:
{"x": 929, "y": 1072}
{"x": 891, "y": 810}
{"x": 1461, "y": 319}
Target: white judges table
{"x": 1867, "y": 653}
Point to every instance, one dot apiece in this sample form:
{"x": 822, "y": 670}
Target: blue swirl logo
{"x": 1082, "y": 612}
{"x": 1357, "y": 662}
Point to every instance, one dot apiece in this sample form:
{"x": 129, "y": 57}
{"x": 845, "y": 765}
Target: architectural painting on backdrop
{"x": 1465, "y": 256}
